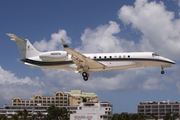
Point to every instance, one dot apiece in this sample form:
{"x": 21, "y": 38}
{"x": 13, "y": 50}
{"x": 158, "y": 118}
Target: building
{"x": 73, "y": 98}
{"x": 32, "y": 110}
{"x": 159, "y": 109}
{"x": 92, "y": 111}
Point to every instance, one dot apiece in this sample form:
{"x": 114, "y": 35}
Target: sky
{"x": 92, "y": 27}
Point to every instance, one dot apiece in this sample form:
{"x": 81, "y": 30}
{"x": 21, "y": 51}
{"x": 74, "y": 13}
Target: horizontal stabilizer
{"x": 16, "y": 38}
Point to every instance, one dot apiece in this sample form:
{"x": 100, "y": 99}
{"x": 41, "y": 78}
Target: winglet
{"x": 64, "y": 44}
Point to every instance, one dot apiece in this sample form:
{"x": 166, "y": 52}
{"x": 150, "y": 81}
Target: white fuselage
{"x": 112, "y": 61}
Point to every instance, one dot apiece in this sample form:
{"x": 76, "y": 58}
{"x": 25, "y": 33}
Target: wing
{"x": 82, "y": 61}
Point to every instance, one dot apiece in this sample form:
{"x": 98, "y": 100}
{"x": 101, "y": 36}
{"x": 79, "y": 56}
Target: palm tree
{"x": 53, "y": 112}
{"x": 39, "y": 115}
{"x": 20, "y": 113}
{"x": 3, "y": 117}
{"x": 65, "y": 113}
{"x": 25, "y": 114}
{"x": 15, "y": 117}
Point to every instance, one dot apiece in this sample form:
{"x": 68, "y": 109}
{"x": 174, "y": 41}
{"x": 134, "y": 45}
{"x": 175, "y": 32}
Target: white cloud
{"x": 153, "y": 83}
{"x": 101, "y": 39}
{"x": 54, "y": 43}
{"x": 179, "y": 3}
{"x": 11, "y": 86}
{"x": 161, "y": 31}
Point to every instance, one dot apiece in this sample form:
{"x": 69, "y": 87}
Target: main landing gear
{"x": 85, "y": 76}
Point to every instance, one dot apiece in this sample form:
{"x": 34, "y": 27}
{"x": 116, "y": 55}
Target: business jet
{"x": 86, "y": 63}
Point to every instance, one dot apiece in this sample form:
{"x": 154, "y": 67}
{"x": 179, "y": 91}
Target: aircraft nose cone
{"x": 168, "y": 60}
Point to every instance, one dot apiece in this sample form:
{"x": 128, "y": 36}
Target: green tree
{"x": 65, "y": 114}
{"x": 116, "y": 116}
{"x": 15, "y": 117}
{"x": 167, "y": 116}
{"x": 25, "y": 114}
{"x": 20, "y": 114}
{"x": 53, "y": 112}
{"x": 124, "y": 116}
{"x": 39, "y": 115}
{"x": 175, "y": 116}
{"x": 133, "y": 116}
{"x": 141, "y": 116}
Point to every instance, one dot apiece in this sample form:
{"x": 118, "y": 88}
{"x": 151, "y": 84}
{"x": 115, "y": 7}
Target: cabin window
{"x": 124, "y": 56}
{"x": 128, "y": 56}
{"x": 104, "y": 56}
{"x": 94, "y": 57}
{"x": 154, "y": 54}
{"x": 99, "y": 56}
{"x": 119, "y": 56}
{"x": 110, "y": 56}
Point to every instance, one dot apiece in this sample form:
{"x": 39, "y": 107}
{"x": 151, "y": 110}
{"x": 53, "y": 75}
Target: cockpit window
{"x": 154, "y": 54}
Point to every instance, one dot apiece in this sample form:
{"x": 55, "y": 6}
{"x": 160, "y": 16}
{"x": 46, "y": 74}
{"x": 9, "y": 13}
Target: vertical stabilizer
{"x": 26, "y": 49}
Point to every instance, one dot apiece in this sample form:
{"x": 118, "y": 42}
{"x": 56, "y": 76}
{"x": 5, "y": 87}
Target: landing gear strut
{"x": 162, "y": 72}
{"x": 85, "y": 76}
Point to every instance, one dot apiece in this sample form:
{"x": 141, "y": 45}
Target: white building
{"x": 92, "y": 111}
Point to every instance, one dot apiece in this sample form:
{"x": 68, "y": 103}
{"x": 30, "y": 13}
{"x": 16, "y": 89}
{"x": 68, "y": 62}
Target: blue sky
{"x": 92, "y": 26}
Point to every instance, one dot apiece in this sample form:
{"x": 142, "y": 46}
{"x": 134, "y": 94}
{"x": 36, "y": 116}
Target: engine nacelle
{"x": 54, "y": 56}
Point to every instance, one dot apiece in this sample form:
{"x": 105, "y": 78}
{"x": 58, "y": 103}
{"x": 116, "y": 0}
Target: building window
{"x": 61, "y": 94}
{"x": 57, "y": 94}
{"x": 44, "y": 98}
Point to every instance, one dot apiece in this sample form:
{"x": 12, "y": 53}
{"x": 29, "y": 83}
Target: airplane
{"x": 86, "y": 63}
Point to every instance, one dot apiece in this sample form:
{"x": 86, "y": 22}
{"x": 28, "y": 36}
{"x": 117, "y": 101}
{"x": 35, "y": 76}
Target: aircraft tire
{"x": 84, "y": 74}
{"x": 162, "y": 72}
{"x": 85, "y": 78}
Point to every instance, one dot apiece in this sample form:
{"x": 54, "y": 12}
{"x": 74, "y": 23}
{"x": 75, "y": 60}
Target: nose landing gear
{"x": 162, "y": 72}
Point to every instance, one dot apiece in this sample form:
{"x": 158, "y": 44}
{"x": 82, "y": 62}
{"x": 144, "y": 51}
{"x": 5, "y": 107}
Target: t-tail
{"x": 26, "y": 49}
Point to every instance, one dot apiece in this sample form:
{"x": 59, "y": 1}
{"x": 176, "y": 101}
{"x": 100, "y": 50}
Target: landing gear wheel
{"x": 162, "y": 72}
{"x": 84, "y": 74}
{"x": 85, "y": 78}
